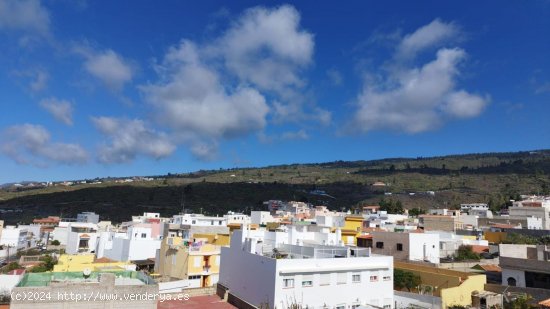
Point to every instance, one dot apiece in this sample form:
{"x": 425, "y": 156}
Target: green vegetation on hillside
{"x": 420, "y": 183}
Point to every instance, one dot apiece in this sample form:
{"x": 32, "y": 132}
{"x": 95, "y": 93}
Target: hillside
{"x": 490, "y": 177}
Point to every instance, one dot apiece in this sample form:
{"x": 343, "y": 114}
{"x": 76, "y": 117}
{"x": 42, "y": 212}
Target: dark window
{"x": 399, "y": 247}
{"x": 380, "y": 245}
{"x": 511, "y": 281}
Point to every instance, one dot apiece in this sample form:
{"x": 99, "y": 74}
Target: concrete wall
{"x": 105, "y": 287}
{"x": 249, "y": 277}
{"x": 406, "y": 299}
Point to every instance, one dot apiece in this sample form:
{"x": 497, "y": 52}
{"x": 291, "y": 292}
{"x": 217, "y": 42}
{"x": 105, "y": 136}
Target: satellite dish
{"x": 87, "y": 272}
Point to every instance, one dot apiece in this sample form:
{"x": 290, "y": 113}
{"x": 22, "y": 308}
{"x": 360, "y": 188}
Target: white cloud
{"x": 462, "y": 104}
{"x": 31, "y": 144}
{"x": 130, "y": 138}
{"x": 432, "y": 34}
{"x": 40, "y": 81}
{"x": 192, "y": 101}
{"x": 295, "y": 135}
{"x": 24, "y": 15}
{"x": 62, "y": 110}
{"x": 266, "y": 43}
{"x": 268, "y": 49}
{"x": 415, "y": 99}
{"x": 107, "y": 66}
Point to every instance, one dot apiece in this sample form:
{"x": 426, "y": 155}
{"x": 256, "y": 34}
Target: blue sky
{"x": 114, "y": 88}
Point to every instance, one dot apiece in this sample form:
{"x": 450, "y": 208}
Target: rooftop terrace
{"x": 47, "y": 278}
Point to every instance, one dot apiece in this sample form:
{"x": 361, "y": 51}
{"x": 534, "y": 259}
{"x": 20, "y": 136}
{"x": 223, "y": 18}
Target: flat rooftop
{"x": 46, "y": 278}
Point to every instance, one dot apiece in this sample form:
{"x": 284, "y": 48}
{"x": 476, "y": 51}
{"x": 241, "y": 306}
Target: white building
{"x": 534, "y": 206}
{"x": 199, "y": 220}
{"x": 407, "y": 246}
{"x": 236, "y": 218}
{"x": 261, "y": 217}
{"x": 81, "y": 237}
{"x": 140, "y": 242}
{"x": 525, "y": 265}
{"x": 314, "y": 276}
{"x": 89, "y": 217}
{"x": 15, "y": 237}
{"x": 473, "y": 206}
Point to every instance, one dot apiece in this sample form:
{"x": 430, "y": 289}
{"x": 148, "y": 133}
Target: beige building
{"x": 198, "y": 262}
{"x": 440, "y": 223}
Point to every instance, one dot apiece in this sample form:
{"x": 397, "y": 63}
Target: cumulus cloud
{"x": 434, "y": 33}
{"x": 129, "y": 138}
{"x": 31, "y": 144}
{"x": 107, "y": 66}
{"x": 24, "y": 15}
{"x": 415, "y": 99}
{"x": 266, "y": 47}
{"x": 192, "y": 101}
{"x": 61, "y": 110}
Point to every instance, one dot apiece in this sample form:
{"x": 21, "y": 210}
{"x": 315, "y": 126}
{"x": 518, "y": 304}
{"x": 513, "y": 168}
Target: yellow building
{"x": 199, "y": 263}
{"x": 352, "y": 229}
{"x": 494, "y": 237}
{"x": 454, "y": 287}
{"x": 67, "y": 262}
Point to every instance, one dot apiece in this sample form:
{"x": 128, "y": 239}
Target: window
{"x": 355, "y": 278}
{"x": 387, "y": 278}
{"x": 340, "y": 307}
{"x": 143, "y": 235}
{"x": 342, "y": 278}
{"x": 197, "y": 262}
{"x": 399, "y": 247}
{"x": 193, "y": 222}
{"x": 220, "y": 222}
{"x": 380, "y": 245}
{"x": 288, "y": 283}
{"x": 307, "y": 283}
{"x": 83, "y": 243}
{"x": 307, "y": 280}
{"x": 324, "y": 279}
{"x": 355, "y": 306}
{"x": 194, "y": 277}
{"x": 373, "y": 278}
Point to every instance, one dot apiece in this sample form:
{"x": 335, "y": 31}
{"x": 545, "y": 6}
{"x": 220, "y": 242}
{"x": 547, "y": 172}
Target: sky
{"x": 119, "y": 88}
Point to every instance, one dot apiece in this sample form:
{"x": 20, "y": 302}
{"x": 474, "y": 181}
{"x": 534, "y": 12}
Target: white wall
{"x": 8, "y": 282}
{"x": 519, "y": 275}
{"x": 423, "y": 246}
{"x": 259, "y": 280}
{"x": 378, "y": 293}
{"x": 15, "y": 237}
{"x": 60, "y": 233}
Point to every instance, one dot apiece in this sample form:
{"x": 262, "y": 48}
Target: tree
{"x": 12, "y": 266}
{"x": 465, "y": 252}
{"x": 55, "y": 242}
{"x": 416, "y": 212}
{"x": 521, "y": 302}
{"x": 391, "y": 206}
{"x": 405, "y": 279}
